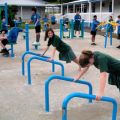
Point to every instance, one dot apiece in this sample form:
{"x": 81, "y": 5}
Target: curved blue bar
{"x": 23, "y": 59}
{"x": 87, "y": 96}
{"x": 45, "y": 60}
{"x": 53, "y": 77}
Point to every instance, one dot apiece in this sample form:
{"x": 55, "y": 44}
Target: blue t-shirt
{"x": 77, "y": 17}
{"x": 45, "y": 19}
{"x": 118, "y": 21}
{"x": 13, "y": 34}
{"x": 34, "y": 18}
{"x": 53, "y": 19}
{"x": 94, "y": 25}
{"x": 4, "y": 25}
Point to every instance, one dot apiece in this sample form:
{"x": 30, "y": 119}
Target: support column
{"x": 67, "y": 8}
{"x": 61, "y": 9}
{"x": 81, "y": 7}
{"x": 100, "y": 10}
{"x": 73, "y": 8}
{"x": 113, "y": 3}
{"x": 21, "y": 12}
{"x": 89, "y": 12}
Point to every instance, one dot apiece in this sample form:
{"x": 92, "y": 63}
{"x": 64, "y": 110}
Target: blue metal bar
{"x": 87, "y": 96}
{"x": 72, "y": 28}
{"x": 27, "y": 36}
{"x": 111, "y": 37}
{"x": 61, "y": 29}
{"x": 45, "y": 60}
{"x": 106, "y": 36}
{"x": 23, "y": 59}
{"x": 53, "y": 77}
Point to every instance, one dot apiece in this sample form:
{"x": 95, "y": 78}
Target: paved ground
{"x": 19, "y": 101}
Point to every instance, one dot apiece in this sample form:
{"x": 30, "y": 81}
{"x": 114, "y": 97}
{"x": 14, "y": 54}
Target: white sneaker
{"x": 36, "y": 43}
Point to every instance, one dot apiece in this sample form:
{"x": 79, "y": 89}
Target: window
{"x": 110, "y": 7}
{"x": 93, "y": 7}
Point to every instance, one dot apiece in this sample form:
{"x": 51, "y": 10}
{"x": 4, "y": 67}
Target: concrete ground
{"x": 20, "y": 101}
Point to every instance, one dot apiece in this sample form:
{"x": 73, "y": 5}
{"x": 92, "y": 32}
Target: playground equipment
{"x": 53, "y": 77}
{"x": 70, "y": 29}
{"x": 5, "y": 9}
{"x": 27, "y": 38}
{"x": 5, "y": 12}
{"x": 108, "y": 26}
{"x": 40, "y": 58}
{"x": 63, "y": 29}
{"x": 87, "y": 96}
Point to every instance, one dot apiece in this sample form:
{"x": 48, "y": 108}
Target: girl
{"x": 65, "y": 51}
{"x": 105, "y": 63}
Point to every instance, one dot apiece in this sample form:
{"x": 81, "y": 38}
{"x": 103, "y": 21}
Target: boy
{"x": 77, "y": 20}
{"x": 10, "y": 38}
{"x": 36, "y": 19}
{"x": 118, "y": 21}
{"x": 95, "y": 23}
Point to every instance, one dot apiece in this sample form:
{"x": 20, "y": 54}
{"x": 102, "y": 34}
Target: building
{"x": 87, "y": 8}
{"x": 25, "y": 6}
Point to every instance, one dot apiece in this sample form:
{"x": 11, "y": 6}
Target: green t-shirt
{"x": 106, "y": 63}
{"x": 59, "y": 44}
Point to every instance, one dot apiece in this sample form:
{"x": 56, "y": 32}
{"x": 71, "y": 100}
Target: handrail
{"x": 53, "y": 77}
{"x": 87, "y": 96}
{"x": 30, "y": 53}
{"x": 45, "y": 60}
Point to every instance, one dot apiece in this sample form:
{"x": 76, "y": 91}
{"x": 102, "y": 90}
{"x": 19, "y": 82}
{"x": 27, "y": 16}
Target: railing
{"x": 87, "y": 96}
{"x": 53, "y": 77}
{"x": 45, "y": 60}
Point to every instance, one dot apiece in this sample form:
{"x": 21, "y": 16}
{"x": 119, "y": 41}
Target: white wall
{"x": 27, "y": 12}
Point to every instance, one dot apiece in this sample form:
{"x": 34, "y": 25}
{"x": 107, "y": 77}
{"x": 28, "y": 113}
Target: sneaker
{"x": 118, "y": 47}
{"x": 93, "y": 43}
{"x": 2, "y": 51}
{"x": 6, "y": 53}
{"x": 36, "y": 43}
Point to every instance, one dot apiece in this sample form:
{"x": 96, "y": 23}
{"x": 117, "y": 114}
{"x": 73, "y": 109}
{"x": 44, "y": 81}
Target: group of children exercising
{"x": 103, "y": 62}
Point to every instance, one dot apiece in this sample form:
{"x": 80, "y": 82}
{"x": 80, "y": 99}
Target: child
{"x": 65, "y": 51}
{"x": 118, "y": 21}
{"x": 10, "y": 38}
{"x": 111, "y": 19}
{"x": 53, "y": 20}
{"x": 77, "y": 20}
{"x": 45, "y": 20}
{"x": 105, "y": 63}
{"x": 4, "y": 29}
{"x": 95, "y": 23}
{"x": 36, "y": 19}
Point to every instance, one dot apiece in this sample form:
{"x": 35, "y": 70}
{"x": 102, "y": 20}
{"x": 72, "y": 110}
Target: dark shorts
{"x": 119, "y": 36}
{"x": 77, "y": 26}
{"x": 68, "y": 56}
{"x": 93, "y": 33}
{"x": 53, "y": 23}
{"x": 38, "y": 29}
{"x": 4, "y": 31}
{"x": 5, "y": 42}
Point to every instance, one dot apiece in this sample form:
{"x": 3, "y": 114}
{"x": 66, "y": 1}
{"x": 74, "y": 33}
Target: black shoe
{"x": 6, "y": 53}
{"x": 93, "y": 43}
{"x": 118, "y": 47}
{"x": 2, "y": 51}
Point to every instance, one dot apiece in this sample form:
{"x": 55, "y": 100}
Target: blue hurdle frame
{"x": 53, "y": 77}
{"x": 87, "y": 96}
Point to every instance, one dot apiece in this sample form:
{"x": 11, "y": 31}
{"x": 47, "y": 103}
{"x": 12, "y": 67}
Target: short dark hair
{"x": 34, "y": 9}
{"x": 95, "y": 16}
{"x": 118, "y": 16}
{"x": 85, "y": 57}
